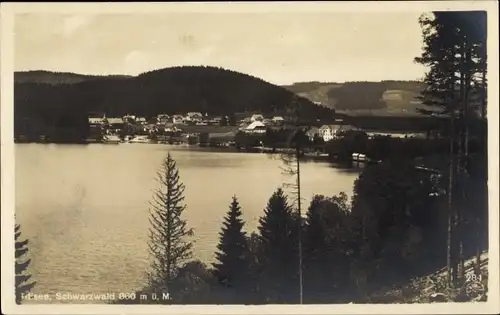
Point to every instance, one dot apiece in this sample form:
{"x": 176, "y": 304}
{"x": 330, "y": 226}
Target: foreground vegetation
{"x": 392, "y": 231}
{"x": 382, "y": 246}
{"x": 23, "y": 282}
{"x": 398, "y": 226}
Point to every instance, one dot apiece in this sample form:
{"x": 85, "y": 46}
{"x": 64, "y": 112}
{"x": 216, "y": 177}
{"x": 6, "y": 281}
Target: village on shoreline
{"x": 240, "y": 132}
{"x": 195, "y": 128}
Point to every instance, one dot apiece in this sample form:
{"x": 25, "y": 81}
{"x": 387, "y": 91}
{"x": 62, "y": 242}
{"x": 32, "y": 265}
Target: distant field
{"x": 320, "y": 94}
{"x": 399, "y": 98}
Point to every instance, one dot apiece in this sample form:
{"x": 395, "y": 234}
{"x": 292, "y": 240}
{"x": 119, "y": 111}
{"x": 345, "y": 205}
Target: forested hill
{"x": 384, "y": 96}
{"x": 56, "y": 78}
{"x": 169, "y": 90}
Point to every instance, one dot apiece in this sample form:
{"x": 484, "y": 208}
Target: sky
{"x": 280, "y": 48}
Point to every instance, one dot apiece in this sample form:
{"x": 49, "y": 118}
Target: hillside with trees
{"x": 47, "y": 103}
{"x": 386, "y": 97}
{"x": 56, "y": 78}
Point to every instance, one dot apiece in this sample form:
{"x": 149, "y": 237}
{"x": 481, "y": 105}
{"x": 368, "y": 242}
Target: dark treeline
{"x": 392, "y": 230}
{"x": 45, "y": 110}
{"x": 385, "y": 147}
{"x": 271, "y": 138}
{"x": 391, "y": 123}
{"x": 56, "y": 78}
{"x": 49, "y": 109}
{"x": 341, "y": 149}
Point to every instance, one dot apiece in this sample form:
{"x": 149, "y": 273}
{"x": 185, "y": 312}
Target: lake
{"x": 85, "y": 208}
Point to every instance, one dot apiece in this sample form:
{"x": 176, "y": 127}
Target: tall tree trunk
{"x": 483, "y": 81}
{"x": 465, "y": 161}
{"x": 300, "y": 224}
{"x": 451, "y": 254}
{"x": 450, "y": 247}
{"x": 479, "y": 230}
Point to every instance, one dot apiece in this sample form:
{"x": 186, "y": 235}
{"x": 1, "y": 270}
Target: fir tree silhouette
{"x": 168, "y": 242}
{"x": 23, "y": 283}
{"x": 232, "y": 266}
{"x": 278, "y": 239}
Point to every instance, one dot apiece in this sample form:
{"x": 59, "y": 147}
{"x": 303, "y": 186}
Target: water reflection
{"x": 85, "y": 208}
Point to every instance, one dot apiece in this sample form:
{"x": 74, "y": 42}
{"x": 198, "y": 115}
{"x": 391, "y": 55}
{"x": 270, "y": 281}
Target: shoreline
{"x": 307, "y": 155}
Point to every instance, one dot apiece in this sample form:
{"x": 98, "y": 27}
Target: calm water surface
{"x": 85, "y": 208}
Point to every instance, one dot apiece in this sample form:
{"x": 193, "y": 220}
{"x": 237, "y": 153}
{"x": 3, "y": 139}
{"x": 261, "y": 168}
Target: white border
{"x": 8, "y": 11}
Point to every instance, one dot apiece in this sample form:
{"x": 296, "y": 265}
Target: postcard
{"x": 249, "y": 158}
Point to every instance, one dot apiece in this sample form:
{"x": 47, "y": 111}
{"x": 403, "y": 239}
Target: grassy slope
{"x": 399, "y": 97}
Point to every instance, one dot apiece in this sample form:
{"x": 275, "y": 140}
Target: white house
{"x": 312, "y": 132}
{"x": 329, "y": 132}
{"x": 256, "y": 127}
{"x": 96, "y": 120}
{"x": 268, "y": 122}
{"x": 128, "y": 118}
{"x": 326, "y": 132}
{"x": 151, "y": 128}
{"x": 162, "y": 118}
{"x": 115, "y": 120}
{"x": 278, "y": 119}
{"x": 172, "y": 129}
{"x": 115, "y": 124}
{"x": 256, "y": 117}
{"x": 177, "y": 119}
{"x": 194, "y": 116}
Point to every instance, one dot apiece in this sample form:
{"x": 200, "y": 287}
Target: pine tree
{"x": 23, "y": 284}
{"x": 454, "y": 52}
{"x": 168, "y": 237}
{"x": 439, "y": 55}
{"x": 278, "y": 238}
{"x": 328, "y": 244}
{"x": 314, "y": 240}
{"x": 232, "y": 266}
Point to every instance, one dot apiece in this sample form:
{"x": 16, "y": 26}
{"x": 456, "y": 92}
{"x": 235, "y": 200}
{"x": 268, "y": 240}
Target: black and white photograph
{"x": 228, "y": 155}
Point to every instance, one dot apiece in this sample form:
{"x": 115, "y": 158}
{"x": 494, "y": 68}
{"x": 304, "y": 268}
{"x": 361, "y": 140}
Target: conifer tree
{"x": 232, "y": 266}
{"x": 278, "y": 238}
{"x": 314, "y": 238}
{"x": 454, "y": 52}
{"x": 328, "y": 243}
{"x": 23, "y": 283}
{"x": 168, "y": 234}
